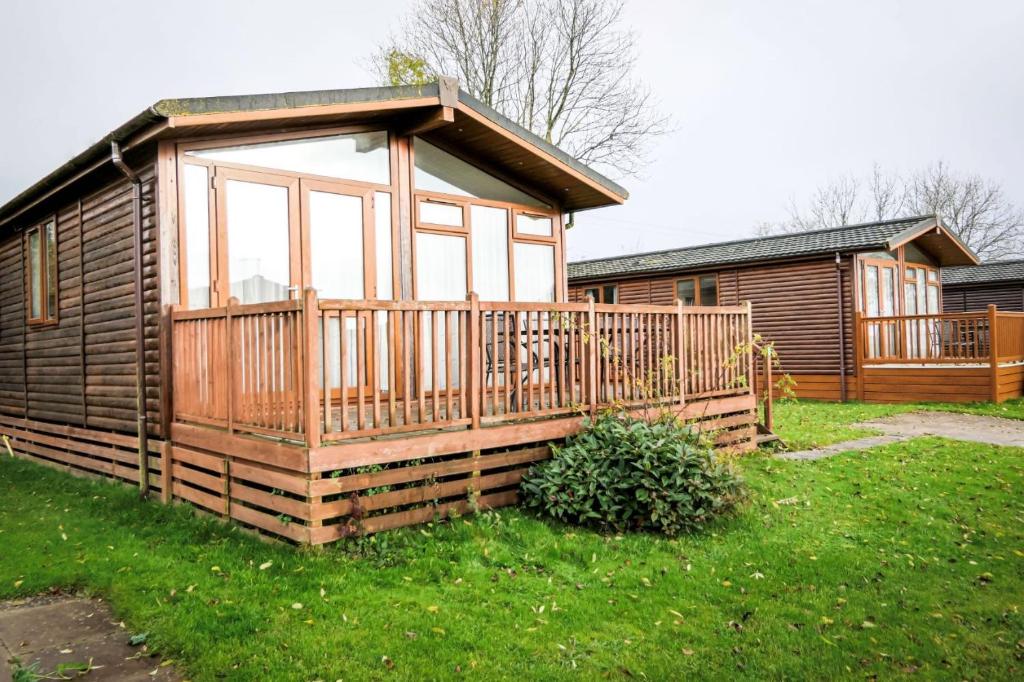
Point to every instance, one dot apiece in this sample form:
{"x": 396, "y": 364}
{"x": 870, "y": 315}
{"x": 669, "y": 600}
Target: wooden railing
{"x": 240, "y": 367}
{"x": 951, "y": 338}
{"x": 370, "y": 368}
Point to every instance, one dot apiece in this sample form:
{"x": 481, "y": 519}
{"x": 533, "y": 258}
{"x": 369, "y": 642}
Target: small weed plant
{"x": 625, "y": 473}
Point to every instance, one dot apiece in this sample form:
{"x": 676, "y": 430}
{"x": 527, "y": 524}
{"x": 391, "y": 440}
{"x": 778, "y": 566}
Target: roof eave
{"x": 934, "y": 223}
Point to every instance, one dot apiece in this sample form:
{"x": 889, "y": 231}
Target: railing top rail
{"x": 360, "y": 305}
{"x": 687, "y": 309}
{"x": 237, "y": 310}
{"x": 934, "y": 316}
{"x": 518, "y": 306}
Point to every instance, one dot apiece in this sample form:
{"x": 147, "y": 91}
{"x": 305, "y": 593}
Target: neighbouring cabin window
{"x": 698, "y": 290}
{"x": 490, "y": 252}
{"x": 336, "y": 244}
{"x": 197, "y": 235}
{"x": 42, "y": 273}
{"x": 357, "y": 156}
{"x": 258, "y": 241}
{"x": 535, "y": 272}
{"x": 608, "y": 293}
{"x": 440, "y": 267}
{"x": 438, "y": 171}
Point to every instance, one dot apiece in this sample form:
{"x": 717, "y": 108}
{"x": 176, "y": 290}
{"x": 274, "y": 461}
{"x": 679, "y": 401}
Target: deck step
{"x": 763, "y": 438}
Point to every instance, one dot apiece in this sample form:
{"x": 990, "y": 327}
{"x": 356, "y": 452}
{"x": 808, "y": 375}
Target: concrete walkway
{"x": 56, "y": 630}
{"x": 900, "y": 427}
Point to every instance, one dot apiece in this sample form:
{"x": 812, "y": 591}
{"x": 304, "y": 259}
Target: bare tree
{"x": 973, "y": 207}
{"x": 560, "y": 68}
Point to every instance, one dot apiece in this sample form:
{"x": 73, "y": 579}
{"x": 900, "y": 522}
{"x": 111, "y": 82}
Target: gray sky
{"x": 769, "y": 98}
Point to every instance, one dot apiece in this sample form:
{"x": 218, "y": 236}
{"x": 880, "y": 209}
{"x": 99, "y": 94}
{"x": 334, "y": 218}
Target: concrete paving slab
{"x": 51, "y": 631}
{"x": 970, "y": 427}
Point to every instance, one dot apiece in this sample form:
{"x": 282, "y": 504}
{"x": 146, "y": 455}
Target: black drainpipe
{"x": 140, "y": 343}
{"x": 842, "y": 331}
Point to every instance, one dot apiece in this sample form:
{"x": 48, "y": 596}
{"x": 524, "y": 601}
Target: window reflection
{"x": 439, "y": 171}
{"x": 258, "y": 245}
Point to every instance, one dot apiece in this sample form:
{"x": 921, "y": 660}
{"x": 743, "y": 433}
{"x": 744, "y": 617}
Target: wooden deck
{"x": 315, "y": 419}
{"x": 950, "y": 357}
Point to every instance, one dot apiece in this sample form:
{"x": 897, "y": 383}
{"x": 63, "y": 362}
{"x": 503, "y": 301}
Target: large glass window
{"x": 336, "y": 245}
{"x": 533, "y": 224}
{"x": 490, "y": 252}
{"x": 258, "y": 241}
{"x": 440, "y": 267}
{"x": 382, "y": 243}
{"x": 197, "y": 235}
{"x": 535, "y": 272}
{"x": 42, "y": 273}
{"x": 439, "y": 171}
{"x": 357, "y": 156}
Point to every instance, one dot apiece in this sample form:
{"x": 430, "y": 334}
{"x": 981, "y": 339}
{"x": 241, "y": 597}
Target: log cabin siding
{"x": 794, "y": 304}
{"x": 971, "y": 297}
{"x": 81, "y": 370}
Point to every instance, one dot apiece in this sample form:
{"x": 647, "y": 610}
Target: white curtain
{"x": 490, "y": 252}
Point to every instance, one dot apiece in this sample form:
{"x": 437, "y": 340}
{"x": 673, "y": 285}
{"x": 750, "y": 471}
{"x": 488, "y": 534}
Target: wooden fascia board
{"x": 537, "y": 151}
{"x": 227, "y": 117}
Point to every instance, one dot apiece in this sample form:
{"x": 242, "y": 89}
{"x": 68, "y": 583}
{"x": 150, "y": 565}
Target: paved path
{"x": 900, "y": 427}
{"x": 55, "y": 630}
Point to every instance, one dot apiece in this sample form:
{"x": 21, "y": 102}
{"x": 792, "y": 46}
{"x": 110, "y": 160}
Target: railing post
{"x": 229, "y": 310}
{"x": 592, "y": 356}
{"x": 858, "y": 352}
{"x": 474, "y": 359}
{"x": 769, "y": 412}
{"x": 310, "y": 339}
{"x": 993, "y": 351}
{"x": 751, "y": 358}
{"x": 680, "y": 353}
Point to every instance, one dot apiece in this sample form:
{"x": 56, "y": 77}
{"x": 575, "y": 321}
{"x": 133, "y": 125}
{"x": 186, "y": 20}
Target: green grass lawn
{"x": 808, "y": 424}
{"x": 906, "y": 560}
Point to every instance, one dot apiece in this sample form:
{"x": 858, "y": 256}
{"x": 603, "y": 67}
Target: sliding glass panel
{"x": 439, "y": 171}
{"x": 436, "y": 213}
{"x": 533, "y": 224}
{"x": 359, "y": 156}
{"x": 709, "y": 290}
{"x": 258, "y": 261}
{"x": 197, "y": 236}
{"x": 535, "y": 272}
{"x": 35, "y": 264}
{"x": 440, "y": 267}
{"x": 51, "y": 270}
{"x": 686, "y": 291}
{"x": 336, "y": 244}
{"x": 490, "y": 252}
{"x": 382, "y": 243}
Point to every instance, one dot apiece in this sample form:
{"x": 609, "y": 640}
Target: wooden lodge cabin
{"x": 975, "y": 287}
{"x": 854, "y": 311}
{"x": 327, "y": 313}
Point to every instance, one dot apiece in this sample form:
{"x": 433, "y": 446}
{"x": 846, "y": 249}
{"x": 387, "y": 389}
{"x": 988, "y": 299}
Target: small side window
{"x": 41, "y": 245}
{"x": 686, "y": 291}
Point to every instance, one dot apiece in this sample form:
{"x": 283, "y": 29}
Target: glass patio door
{"x": 880, "y": 292}
{"x": 258, "y": 242}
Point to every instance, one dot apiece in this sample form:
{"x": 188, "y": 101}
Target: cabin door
{"x": 258, "y": 242}
{"x": 338, "y": 240}
{"x": 880, "y": 294}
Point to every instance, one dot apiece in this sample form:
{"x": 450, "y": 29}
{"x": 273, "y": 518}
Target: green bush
{"x": 624, "y": 473}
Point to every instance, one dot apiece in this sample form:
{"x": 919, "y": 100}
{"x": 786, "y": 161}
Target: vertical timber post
{"x": 592, "y": 356}
{"x": 310, "y": 341}
{"x": 769, "y": 412}
{"x": 680, "y": 353}
{"x": 993, "y": 351}
{"x": 474, "y": 359}
{"x": 858, "y": 353}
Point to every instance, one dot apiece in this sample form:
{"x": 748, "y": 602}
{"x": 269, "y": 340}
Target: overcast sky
{"x": 769, "y": 98}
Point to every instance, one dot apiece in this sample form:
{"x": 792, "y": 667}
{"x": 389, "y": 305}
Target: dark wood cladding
{"x": 81, "y": 371}
{"x": 964, "y": 298}
{"x": 794, "y": 304}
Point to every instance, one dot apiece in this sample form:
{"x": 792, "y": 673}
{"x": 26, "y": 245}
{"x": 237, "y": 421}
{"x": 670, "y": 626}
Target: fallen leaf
{"x": 265, "y": 565}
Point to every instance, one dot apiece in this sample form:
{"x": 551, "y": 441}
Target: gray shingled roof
{"x": 846, "y": 238}
{"x": 996, "y": 271}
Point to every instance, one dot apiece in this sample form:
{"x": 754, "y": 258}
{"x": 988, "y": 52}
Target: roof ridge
{"x": 819, "y": 230}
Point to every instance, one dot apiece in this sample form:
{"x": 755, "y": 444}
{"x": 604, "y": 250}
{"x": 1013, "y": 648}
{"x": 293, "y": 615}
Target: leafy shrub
{"x": 625, "y": 473}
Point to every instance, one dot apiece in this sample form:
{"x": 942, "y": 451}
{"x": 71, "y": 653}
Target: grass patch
{"x": 805, "y": 424}
{"x": 901, "y": 560}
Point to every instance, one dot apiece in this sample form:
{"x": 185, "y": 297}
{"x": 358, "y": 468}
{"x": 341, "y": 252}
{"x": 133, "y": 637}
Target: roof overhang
{"x": 933, "y": 237}
{"x": 438, "y": 111}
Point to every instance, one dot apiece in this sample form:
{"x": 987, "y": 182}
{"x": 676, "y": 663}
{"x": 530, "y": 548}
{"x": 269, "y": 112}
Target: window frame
{"x": 47, "y": 317}
{"x": 698, "y": 300}
{"x": 600, "y": 289}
